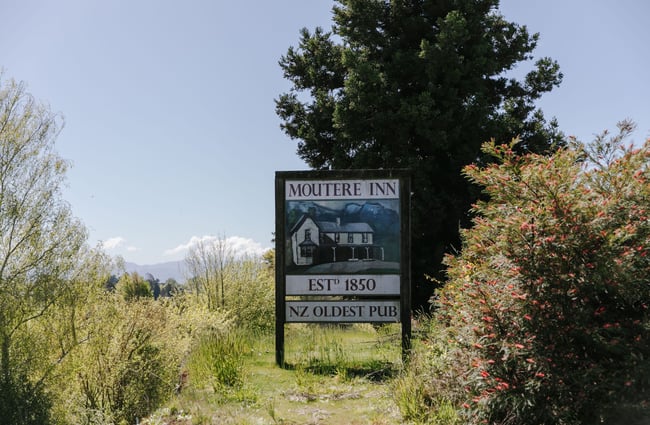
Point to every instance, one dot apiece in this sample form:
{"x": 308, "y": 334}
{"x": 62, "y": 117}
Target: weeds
{"x": 345, "y": 352}
{"x": 338, "y": 373}
{"x": 424, "y": 389}
{"x": 218, "y": 362}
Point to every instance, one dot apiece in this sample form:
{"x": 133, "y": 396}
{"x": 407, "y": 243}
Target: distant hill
{"x": 160, "y": 271}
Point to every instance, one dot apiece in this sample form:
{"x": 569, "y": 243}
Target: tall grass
{"x": 233, "y": 377}
{"x": 218, "y": 361}
{"x": 343, "y": 350}
{"x": 424, "y": 391}
{"x": 321, "y": 351}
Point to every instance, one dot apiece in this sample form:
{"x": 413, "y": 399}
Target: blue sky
{"x": 169, "y": 105}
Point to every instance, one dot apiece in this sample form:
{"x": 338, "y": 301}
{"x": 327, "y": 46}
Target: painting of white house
{"x": 343, "y": 237}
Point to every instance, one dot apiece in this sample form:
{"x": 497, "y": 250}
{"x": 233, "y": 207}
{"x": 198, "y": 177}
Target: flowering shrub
{"x": 549, "y": 300}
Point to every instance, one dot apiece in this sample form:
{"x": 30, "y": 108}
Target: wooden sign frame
{"x": 342, "y": 246}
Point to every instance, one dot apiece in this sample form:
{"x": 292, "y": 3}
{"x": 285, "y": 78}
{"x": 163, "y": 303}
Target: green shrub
{"x": 128, "y": 366}
{"x": 250, "y": 293}
{"x": 217, "y": 361}
{"x": 549, "y": 297}
{"x": 427, "y": 392}
{"x": 410, "y": 396}
{"x": 22, "y": 402}
{"x": 243, "y": 286}
{"x": 132, "y": 286}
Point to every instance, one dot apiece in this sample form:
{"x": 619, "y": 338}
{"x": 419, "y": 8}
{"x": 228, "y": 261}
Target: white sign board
{"x": 343, "y": 311}
{"x": 343, "y": 284}
{"x": 342, "y": 189}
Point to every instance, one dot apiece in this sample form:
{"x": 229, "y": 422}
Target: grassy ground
{"x": 334, "y": 375}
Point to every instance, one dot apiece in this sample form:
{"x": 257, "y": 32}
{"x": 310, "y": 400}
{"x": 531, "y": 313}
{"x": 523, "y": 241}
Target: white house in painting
{"x": 315, "y": 242}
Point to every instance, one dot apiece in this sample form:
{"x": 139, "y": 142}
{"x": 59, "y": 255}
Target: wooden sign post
{"x": 342, "y": 249}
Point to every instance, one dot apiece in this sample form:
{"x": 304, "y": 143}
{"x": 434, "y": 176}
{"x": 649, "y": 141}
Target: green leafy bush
{"x": 128, "y": 365}
{"x": 242, "y": 286}
{"x": 547, "y": 305}
{"x": 22, "y": 402}
{"x": 41, "y": 249}
{"x": 130, "y": 357}
{"x": 132, "y": 286}
{"x": 250, "y": 293}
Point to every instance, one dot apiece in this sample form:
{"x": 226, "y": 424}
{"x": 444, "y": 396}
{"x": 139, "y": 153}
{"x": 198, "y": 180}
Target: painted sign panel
{"x": 342, "y": 227}
{"x": 372, "y": 311}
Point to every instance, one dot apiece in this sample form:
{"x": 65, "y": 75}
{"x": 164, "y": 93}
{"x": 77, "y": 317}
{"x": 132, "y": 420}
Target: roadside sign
{"x": 342, "y": 249}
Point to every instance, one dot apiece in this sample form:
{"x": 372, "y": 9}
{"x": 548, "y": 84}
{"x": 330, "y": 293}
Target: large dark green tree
{"x": 417, "y": 84}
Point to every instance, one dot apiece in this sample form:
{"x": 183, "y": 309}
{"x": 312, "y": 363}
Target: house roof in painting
{"x": 335, "y": 227}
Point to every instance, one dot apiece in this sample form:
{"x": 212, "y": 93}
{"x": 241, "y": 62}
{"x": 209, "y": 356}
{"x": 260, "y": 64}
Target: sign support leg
{"x": 279, "y": 344}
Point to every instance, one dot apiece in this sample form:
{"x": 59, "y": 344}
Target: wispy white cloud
{"x": 245, "y": 246}
{"x": 183, "y": 248}
{"x": 238, "y": 245}
{"x": 115, "y": 243}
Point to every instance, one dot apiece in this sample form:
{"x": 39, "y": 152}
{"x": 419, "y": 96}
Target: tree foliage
{"x": 133, "y": 286}
{"x": 546, "y": 312}
{"x": 207, "y": 265}
{"x": 128, "y": 364}
{"x": 133, "y": 355}
{"x": 40, "y": 245}
{"x": 154, "y": 285}
{"x": 78, "y": 345}
{"x": 240, "y": 285}
{"x": 170, "y": 288}
{"x": 417, "y": 85}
